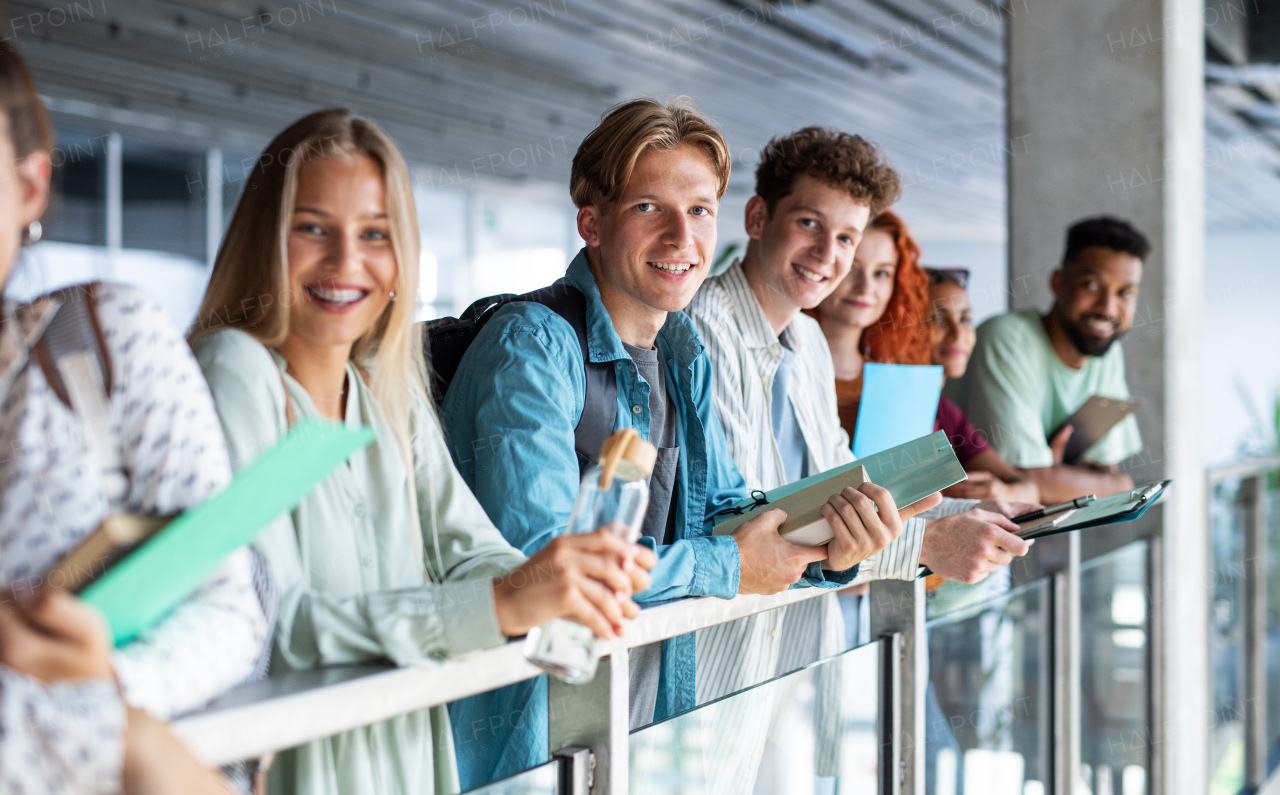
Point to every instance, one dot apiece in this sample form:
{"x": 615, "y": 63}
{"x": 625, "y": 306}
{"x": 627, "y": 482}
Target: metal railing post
{"x": 890, "y": 728}
{"x": 897, "y": 616}
{"x": 595, "y": 716}
{"x": 1066, "y": 673}
{"x": 1157, "y": 709}
{"x": 575, "y": 770}
{"x": 1253, "y": 507}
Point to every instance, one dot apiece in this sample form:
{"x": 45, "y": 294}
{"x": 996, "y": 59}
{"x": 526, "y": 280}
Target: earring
{"x": 393, "y": 295}
{"x": 34, "y": 232}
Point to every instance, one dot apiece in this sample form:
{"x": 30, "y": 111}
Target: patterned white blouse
{"x": 51, "y": 496}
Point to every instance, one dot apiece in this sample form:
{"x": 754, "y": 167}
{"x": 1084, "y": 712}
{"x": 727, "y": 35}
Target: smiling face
{"x": 342, "y": 267}
{"x": 860, "y": 300}
{"x": 953, "y": 333}
{"x": 806, "y": 246}
{"x": 1096, "y": 295}
{"x": 651, "y": 248}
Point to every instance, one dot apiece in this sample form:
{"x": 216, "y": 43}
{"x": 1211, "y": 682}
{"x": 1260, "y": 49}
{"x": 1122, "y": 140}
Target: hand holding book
{"x": 136, "y": 569}
{"x": 864, "y": 521}
{"x": 52, "y": 636}
{"x": 767, "y": 562}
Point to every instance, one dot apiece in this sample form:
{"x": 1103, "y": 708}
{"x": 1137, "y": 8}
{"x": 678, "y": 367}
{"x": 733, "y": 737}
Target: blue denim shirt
{"x": 510, "y": 415}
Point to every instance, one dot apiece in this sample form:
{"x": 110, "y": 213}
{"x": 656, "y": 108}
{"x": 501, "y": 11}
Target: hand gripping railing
{"x": 256, "y": 720}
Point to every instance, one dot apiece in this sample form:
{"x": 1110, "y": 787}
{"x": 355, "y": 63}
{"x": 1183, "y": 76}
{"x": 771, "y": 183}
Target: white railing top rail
{"x": 284, "y": 712}
{"x": 1243, "y": 468}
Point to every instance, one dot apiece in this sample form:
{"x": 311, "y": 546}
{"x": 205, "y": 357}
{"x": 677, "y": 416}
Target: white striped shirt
{"x": 745, "y": 354}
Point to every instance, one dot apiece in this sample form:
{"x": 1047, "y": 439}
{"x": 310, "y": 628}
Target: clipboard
{"x": 1123, "y": 507}
{"x": 1091, "y": 422}
{"x": 910, "y": 472}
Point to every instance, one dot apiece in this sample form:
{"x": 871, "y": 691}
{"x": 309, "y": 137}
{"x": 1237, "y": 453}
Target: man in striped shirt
{"x": 774, "y": 391}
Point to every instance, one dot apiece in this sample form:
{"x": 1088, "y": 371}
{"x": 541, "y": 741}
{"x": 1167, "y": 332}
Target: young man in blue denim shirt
{"x": 647, "y": 182}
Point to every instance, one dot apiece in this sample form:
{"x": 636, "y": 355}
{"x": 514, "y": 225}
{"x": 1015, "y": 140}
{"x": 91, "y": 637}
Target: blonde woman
{"x": 308, "y": 314}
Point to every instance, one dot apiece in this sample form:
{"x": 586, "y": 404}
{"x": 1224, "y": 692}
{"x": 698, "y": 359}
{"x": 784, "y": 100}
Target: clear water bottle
{"x": 614, "y": 490}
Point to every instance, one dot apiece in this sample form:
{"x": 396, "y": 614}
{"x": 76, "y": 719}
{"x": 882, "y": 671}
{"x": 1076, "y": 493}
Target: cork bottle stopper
{"x": 625, "y": 445}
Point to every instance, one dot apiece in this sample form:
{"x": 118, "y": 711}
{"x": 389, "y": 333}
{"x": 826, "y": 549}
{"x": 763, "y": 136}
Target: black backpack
{"x": 447, "y": 339}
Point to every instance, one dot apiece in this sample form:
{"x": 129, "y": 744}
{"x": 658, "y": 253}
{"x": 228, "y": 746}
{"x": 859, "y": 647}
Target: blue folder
{"x": 899, "y": 403}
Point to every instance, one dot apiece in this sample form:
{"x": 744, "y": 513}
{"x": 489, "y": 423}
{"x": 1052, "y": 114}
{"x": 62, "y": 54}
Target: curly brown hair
{"x": 902, "y": 335}
{"x": 837, "y": 158}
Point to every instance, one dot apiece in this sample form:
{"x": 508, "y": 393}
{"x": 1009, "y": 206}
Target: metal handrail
{"x": 286, "y": 711}
{"x": 1242, "y": 469}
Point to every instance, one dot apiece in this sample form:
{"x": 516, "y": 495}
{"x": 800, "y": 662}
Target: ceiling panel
{"x": 505, "y": 89}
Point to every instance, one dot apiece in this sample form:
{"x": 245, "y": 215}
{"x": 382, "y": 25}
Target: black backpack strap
{"x": 446, "y": 341}
{"x": 600, "y": 403}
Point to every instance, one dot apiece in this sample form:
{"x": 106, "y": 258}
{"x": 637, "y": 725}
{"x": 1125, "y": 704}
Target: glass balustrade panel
{"x": 1226, "y": 638}
{"x": 1115, "y": 741}
{"x": 809, "y": 732}
{"x": 988, "y": 702}
{"x": 535, "y": 781}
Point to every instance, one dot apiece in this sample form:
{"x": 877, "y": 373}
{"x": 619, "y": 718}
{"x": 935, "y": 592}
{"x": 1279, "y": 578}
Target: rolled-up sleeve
{"x": 411, "y": 625}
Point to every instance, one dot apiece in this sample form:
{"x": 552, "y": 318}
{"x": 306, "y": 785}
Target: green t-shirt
{"x": 1017, "y": 390}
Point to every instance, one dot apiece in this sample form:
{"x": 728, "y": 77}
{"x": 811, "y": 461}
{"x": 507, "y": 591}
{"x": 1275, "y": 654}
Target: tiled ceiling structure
{"x": 504, "y": 89}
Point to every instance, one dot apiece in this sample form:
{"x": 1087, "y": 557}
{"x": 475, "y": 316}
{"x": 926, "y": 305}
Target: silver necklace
{"x": 341, "y": 394}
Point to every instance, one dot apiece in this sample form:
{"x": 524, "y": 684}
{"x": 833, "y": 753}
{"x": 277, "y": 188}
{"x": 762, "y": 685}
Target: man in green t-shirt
{"x": 1030, "y": 372}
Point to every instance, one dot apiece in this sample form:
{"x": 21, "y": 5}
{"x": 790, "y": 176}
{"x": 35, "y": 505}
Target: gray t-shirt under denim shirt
{"x": 659, "y": 520}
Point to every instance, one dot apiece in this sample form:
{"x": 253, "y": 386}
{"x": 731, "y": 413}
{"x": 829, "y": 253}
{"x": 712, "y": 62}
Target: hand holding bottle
{"x": 587, "y": 578}
{"x": 613, "y": 497}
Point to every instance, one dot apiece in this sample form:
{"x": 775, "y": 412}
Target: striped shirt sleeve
{"x": 901, "y": 559}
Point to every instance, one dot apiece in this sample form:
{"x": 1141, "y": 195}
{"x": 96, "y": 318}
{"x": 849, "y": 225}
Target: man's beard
{"x": 1088, "y": 344}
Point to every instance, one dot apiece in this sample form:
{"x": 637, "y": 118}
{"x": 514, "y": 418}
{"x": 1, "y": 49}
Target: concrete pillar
{"x": 1106, "y": 104}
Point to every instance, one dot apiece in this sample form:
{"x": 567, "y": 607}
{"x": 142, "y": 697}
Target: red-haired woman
{"x": 882, "y": 312}
{"x": 878, "y": 313}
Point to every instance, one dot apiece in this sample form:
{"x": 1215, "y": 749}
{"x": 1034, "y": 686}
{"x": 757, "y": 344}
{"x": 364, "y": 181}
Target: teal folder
{"x": 910, "y": 472}
{"x": 899, "y": 403}
{"x": 156, "y": 577}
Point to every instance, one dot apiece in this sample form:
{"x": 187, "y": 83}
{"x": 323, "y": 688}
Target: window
{"x": 77, "y": 207}
{"x": 163, "y": 200}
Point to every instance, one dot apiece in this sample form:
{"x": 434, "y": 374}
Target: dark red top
{"x": 967, "y": 440}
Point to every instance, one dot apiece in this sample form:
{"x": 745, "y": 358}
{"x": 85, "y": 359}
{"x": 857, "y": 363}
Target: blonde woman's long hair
{"x": 249, "y": 287}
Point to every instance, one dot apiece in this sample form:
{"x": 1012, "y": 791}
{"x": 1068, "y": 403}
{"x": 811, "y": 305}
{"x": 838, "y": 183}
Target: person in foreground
{"x": 882, "y": 312}
{"x": 647, "y": 183}
{"x": 308, "y": 314}
{"x": 1030, "y": 372}
{"x": 82, "y": 739}
{"x": 168, "y": 456}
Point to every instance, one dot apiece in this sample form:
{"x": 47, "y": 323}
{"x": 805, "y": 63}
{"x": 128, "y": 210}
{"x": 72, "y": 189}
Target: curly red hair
{"x": 903, "y": 334}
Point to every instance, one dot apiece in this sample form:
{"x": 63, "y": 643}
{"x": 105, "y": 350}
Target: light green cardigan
{"x": 361, "y": 576}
